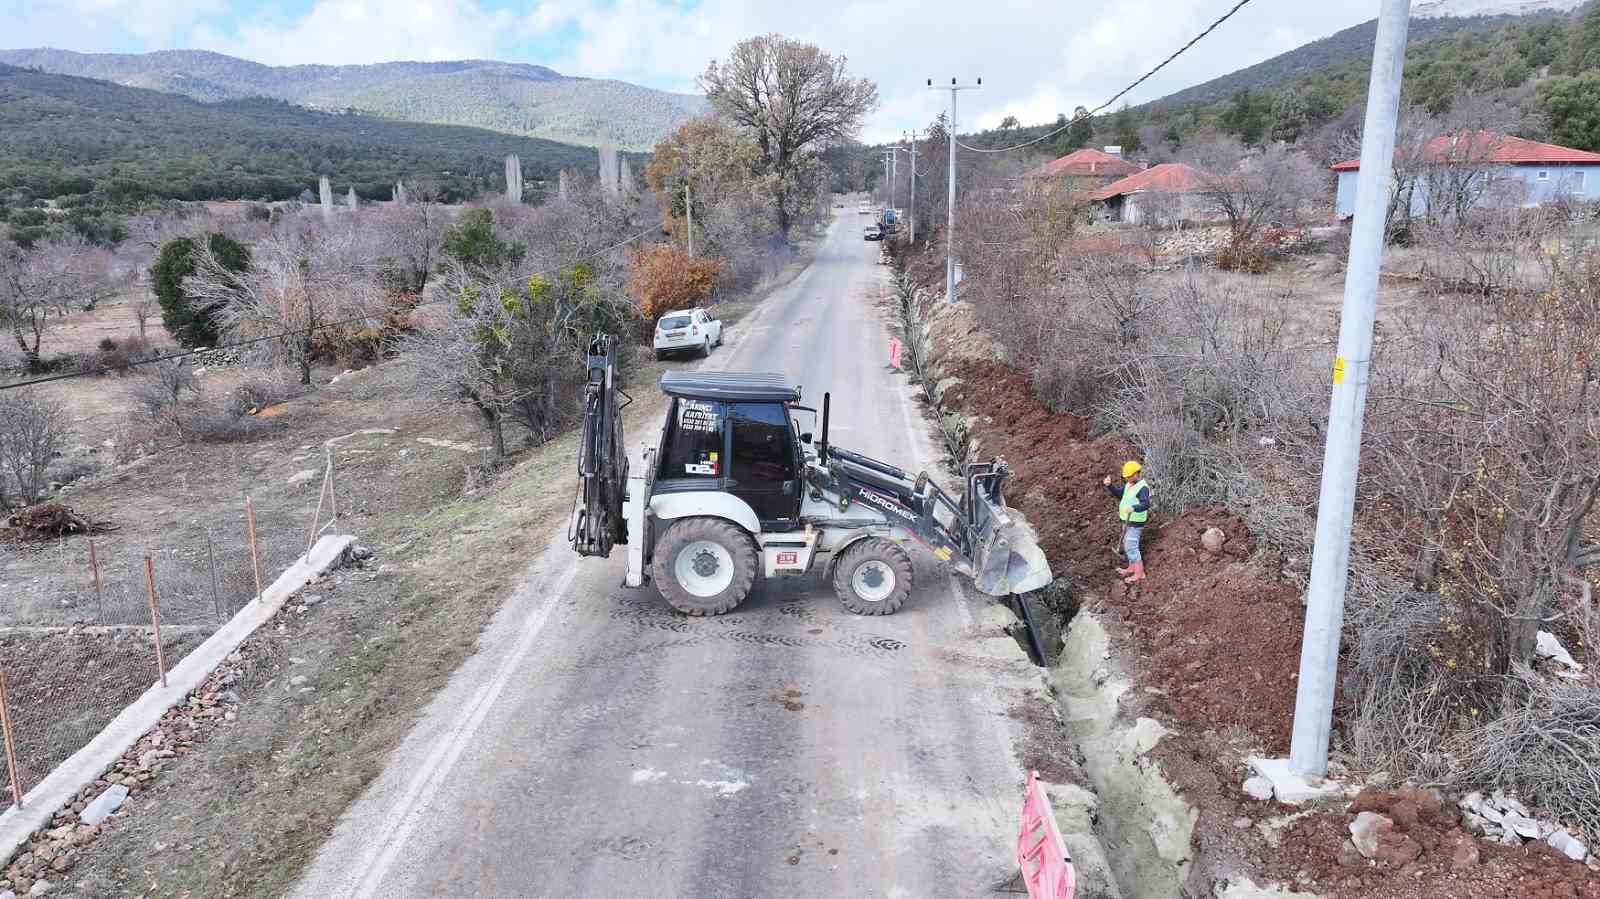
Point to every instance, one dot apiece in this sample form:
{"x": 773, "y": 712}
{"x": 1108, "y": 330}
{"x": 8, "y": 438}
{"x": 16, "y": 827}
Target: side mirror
{"x": 805, "y": 437}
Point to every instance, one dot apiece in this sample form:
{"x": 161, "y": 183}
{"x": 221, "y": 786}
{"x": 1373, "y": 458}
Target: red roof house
{"x": 1489, "y": 147}
{"x": 1087, "y": 163}
{"x": 1519, "y": 170}
{"x": 1162, "y": 194}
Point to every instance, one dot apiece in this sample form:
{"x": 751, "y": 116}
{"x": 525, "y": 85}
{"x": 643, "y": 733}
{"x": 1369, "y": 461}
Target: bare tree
{"x": 1489, "y": 426}
{"x": 303, "y": 281}
{"x": 44, "y": 283}
{"x": 1276, "y": 185}
{"x": 794, "y": 99}
{"x": 408, "y": 238}
{"x": 31, "y": 431}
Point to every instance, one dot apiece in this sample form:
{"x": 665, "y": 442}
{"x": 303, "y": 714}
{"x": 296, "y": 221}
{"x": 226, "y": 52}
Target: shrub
{"x": 165, "y": 393}
{"x": 665, "y": 278}
{"x": 259, "y": 390}
{"x": 118, "y": 358}
{"x": 31, "y": 432}
{"x": 1547, "y": 749}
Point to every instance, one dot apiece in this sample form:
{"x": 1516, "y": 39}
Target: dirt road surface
{"x": 600, "y": 744}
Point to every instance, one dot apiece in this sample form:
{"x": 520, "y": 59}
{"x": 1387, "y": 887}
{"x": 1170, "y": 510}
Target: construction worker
{"x": 1133, "y": 507}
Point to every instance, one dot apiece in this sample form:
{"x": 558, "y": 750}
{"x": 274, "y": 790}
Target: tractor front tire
{"x": 704, "y": 566}
{"x": 873, "y": 577}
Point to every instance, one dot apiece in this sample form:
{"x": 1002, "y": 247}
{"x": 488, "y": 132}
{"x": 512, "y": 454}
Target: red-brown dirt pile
{"x": 1425, "y": 854}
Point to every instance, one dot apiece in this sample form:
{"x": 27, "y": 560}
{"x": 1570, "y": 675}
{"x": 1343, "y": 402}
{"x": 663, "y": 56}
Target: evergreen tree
{"x": 190, "y": 324}
{"x": 1583, "y": 42}
{"x": 1573, "y": 106}
{"x": 1289, "y": 116}
{"x": 1125, "y": 127}
{"x": 1082, "y": 130}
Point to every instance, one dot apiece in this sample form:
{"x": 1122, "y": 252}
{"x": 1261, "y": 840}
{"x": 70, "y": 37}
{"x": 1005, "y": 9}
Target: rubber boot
{"x": 1137, "y": 574}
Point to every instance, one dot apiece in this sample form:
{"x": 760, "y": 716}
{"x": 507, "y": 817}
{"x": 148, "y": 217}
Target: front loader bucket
{"x": 1008, "y": 558}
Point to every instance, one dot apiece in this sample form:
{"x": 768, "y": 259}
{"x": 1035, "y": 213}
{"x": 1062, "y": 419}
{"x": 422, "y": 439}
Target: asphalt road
{"x": 601, "y": 745}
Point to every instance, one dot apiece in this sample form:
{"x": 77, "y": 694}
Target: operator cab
{"x": 732, "y": 432}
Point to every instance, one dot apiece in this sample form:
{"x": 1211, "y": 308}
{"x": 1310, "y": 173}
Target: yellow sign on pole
{"x": 1338, "y": 369}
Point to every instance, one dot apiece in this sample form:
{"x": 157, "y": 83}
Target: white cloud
{"x": 365, "y": 31}
{"x": 1036, "y": 59}
{"x": 90, "y": 25}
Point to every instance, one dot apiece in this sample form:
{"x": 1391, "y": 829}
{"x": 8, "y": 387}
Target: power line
{"x": 299, "y": 332}
{"x": 1119, "y": 95}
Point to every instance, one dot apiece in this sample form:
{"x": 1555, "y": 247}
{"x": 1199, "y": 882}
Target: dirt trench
{"x": 1126, "y": 828}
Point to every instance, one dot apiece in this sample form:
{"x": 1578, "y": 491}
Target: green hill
{"x": 101, "y": 144}
{"x": 515, "y": 98}
{"x": 1538, "y": 75}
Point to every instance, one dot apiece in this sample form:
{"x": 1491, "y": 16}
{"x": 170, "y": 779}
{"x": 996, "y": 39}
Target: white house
{"x": 1528, "y": 171}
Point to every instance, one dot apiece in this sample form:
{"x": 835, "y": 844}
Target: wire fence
{"x": 93, "y": 621}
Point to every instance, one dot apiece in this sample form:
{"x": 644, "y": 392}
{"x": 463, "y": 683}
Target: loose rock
{"x": 104, "y": 804}
{"x": 1568, "y": 845}
{"x": 1366, "y": 830}
{"x": 1212, "y": 540}
{"x": 1258, "y": 788}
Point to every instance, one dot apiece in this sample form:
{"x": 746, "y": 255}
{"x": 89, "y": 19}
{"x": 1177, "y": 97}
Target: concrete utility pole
{"x": 950, "y": 219}
{"x": 1330, "y": 558}
{"x": 688, "y": 211}
{"x": 912, "y": 209}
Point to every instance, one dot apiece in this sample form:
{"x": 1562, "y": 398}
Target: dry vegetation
{"x": 1477, "y": 524}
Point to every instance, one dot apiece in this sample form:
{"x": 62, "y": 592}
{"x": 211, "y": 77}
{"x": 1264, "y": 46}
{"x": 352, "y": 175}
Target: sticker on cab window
{"x": 696, "y": 415}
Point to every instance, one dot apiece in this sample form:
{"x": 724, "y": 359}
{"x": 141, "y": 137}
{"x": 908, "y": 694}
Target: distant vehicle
{"x": 693, "y": 330}
{"x": 872, "y": 232}
{"x": 864, "y": 209}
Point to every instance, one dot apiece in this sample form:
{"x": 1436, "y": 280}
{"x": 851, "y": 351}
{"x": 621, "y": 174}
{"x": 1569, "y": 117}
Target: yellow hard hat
{"x": 1131, "y": 468}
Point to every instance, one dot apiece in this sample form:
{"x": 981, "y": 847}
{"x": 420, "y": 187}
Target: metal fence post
{"x": 216, "y": 594}
{"x": 316, "y": 516}
{"x": 11, "y": 743}
{"x": 155, "y": 617}
{"x": 250, "y": 527}
{"x": 94, "y": 567}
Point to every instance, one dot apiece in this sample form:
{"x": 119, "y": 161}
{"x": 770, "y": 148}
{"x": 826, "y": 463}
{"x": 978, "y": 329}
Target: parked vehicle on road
{"x": 688, "y": 331}
{"x": 864, "y": 209}
{"x": 872, "y": 232}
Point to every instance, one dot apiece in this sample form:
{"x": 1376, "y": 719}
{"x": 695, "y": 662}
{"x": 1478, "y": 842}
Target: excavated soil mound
{"x": 1427, "y": 855}
{"x": 1220, "y": 643}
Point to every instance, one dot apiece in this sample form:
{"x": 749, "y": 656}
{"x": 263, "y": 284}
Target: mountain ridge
{"x": 65, "y": 135}
{"x": 516, "y": 98}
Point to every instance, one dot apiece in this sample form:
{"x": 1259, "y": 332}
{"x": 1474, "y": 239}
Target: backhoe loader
{"x": 734, "y": 488}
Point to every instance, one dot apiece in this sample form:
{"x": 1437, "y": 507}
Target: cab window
{"x": 692, "y": 447}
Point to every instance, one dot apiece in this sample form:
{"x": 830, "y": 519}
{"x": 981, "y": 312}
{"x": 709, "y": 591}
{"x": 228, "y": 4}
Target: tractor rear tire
{"x": 873, "y": 577}
{"x": 704, "y": 566}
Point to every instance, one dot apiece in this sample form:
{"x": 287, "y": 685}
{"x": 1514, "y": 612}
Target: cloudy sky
{"x": 1036, "y": 58}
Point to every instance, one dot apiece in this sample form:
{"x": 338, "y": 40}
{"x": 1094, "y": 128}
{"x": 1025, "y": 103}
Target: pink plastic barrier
{"x": 1041, "y": 855}
{"x": 894, "y": 352}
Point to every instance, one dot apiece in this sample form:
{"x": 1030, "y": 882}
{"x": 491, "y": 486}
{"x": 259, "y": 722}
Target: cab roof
{"x": 747, "y": 387}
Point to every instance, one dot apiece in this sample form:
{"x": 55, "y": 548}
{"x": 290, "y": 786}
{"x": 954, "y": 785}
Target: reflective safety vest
{"x": 1130, "y": 498}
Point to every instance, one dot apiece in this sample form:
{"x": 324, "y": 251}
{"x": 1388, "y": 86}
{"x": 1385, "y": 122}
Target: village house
{"x": 1087, "y": 169}
{"x": 1496, "y": 168}
{"x": 1160, "y": 196}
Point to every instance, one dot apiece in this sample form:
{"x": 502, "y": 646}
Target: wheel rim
{"x": 873, "y": 580}
{"x": 703, "y": 568}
